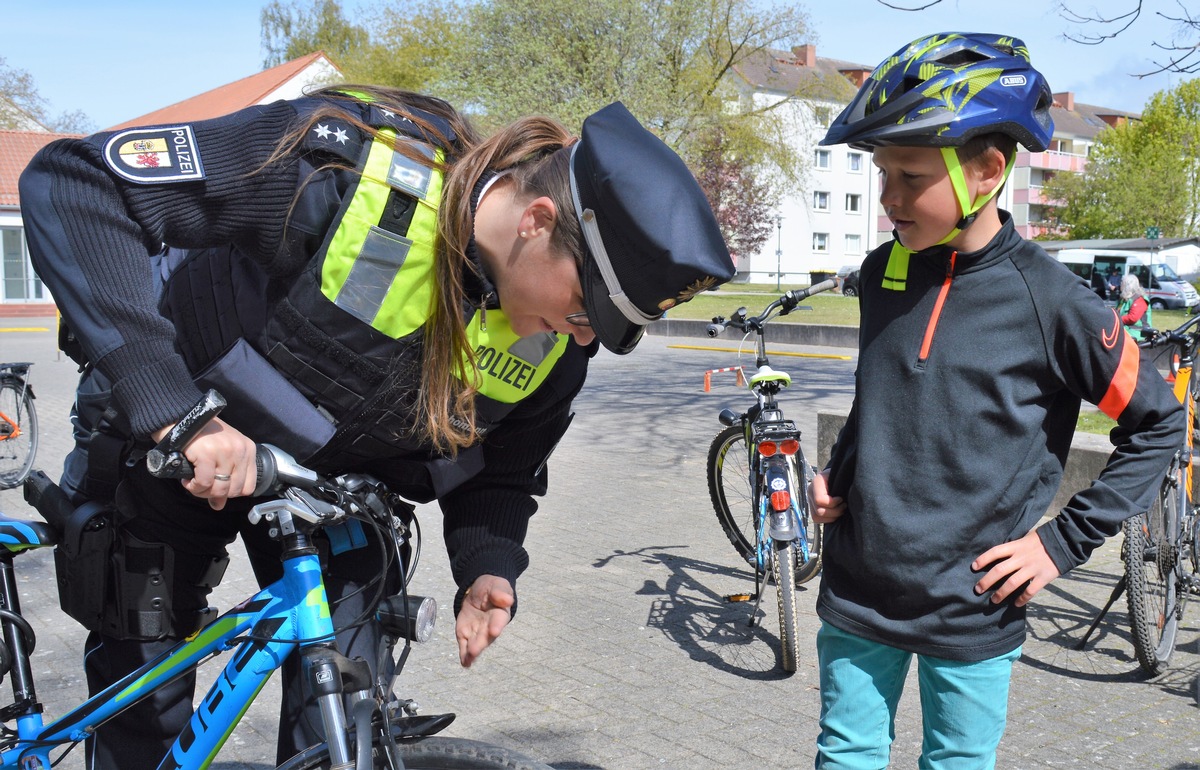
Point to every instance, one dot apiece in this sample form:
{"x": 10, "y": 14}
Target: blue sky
{"x": 118, "y": 60}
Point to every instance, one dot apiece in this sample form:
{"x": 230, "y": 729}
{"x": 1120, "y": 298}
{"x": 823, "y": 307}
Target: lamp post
{"x": 778, "y": 250}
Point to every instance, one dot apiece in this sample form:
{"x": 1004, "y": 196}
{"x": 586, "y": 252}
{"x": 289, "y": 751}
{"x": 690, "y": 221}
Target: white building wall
{"x": 808, "y": 238}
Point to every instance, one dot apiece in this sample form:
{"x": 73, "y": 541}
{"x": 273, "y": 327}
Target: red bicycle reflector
{"x": 789, "y": 447}
{"x": 767, "y": 448}
{"x": 781, "y": 500}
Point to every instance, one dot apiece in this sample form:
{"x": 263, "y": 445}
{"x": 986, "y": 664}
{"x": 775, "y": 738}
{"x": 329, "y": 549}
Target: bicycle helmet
{"x": 944, "y": 89}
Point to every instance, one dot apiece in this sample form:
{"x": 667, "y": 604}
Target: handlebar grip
{"x": 714, "y": 330}
{"x": 166, "y": 460}
{"x": 817, "y": 288}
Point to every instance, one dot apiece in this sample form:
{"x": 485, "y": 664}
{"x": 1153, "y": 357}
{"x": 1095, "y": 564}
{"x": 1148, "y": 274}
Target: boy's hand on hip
{"x": 828, "y": 508}
{"x": 1019, "y": 565}
{"x": 485, "y": 612}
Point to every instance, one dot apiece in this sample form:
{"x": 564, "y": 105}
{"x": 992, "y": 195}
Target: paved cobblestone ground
{"x": 624, "y": 655}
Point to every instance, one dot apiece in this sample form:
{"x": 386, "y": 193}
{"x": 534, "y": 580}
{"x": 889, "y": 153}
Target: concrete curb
{"x": 783, "y": 333}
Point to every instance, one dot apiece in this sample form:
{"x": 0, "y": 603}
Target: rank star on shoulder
{"x": 340, "y": 136}
{"x": 322, "y": 131}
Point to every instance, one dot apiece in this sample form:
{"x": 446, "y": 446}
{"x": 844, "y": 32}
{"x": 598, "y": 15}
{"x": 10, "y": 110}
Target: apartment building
{"x": 835, "y": 220}
{"x": 1076, "y": 127}
{"x": 831, "y": 221}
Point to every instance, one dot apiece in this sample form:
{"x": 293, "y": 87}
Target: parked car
{"x": 849, "y": 276}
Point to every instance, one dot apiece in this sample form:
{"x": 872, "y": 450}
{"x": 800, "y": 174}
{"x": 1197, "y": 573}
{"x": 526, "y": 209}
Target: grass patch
{"x": 1095, "y": 422}
{"x": 828, "y": 308}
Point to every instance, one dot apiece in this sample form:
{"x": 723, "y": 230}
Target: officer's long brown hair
{"x": 535, "y": 152}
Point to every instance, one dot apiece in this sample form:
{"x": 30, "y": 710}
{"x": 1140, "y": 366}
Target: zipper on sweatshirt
{"x": 931, "y": 328}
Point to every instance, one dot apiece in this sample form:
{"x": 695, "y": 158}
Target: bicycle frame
{"x": 776, "y": 472}
{"x": 1183, "y": 384}
{"x": 1184, "y": 375}
{"x": 263, "y": 630}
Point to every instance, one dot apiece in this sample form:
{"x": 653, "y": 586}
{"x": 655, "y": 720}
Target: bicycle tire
{"x": 18, "y": 450}
{"x": 729, "y": 488}
{"x": 430, "y": 753}
{"x": 728, "y": 471}
{"x": 784, "y": 566}
{"x": 1151, "y": 555}
{"x": 808, "y": 569}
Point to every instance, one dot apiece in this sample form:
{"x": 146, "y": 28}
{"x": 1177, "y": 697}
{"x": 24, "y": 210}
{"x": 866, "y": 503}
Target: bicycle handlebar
{"x": 1180, "y": 335}
{"x": 787, "y": 302}
{"x": 276, "y": 468}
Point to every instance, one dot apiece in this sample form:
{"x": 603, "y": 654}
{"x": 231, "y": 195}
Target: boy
{"x": 975, "y": 351}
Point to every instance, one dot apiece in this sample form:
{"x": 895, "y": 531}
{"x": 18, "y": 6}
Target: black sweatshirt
{"x": 91, "y": 233}
{"x": 968, "y": 387}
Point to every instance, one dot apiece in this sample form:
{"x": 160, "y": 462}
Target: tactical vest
{"x": 330, "y": 372}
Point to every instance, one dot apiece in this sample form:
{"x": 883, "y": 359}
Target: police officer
{"x": 328, "y": 264}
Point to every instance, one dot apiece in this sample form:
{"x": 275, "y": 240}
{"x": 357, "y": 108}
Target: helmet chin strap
{"x": 895, "y": 275}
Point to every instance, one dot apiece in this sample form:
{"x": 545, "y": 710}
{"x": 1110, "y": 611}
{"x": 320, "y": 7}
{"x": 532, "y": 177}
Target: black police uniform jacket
{"x": 239, "y": 306}
{"x": 968, "y": 386}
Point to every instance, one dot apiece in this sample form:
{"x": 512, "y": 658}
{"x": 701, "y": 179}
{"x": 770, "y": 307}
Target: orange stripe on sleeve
{"x": 1124, "y": 380}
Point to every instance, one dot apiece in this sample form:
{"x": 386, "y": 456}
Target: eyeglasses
{"x": 579, "y": 319}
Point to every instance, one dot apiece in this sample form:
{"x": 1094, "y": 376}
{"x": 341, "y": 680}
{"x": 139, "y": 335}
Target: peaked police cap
{"x": 652, "y": 239}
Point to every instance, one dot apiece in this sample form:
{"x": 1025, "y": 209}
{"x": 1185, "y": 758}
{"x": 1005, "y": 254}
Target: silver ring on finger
{"x": 221, "y": 476}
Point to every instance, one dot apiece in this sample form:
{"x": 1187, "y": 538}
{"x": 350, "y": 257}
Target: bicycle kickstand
{"x": 1117, "y": 591}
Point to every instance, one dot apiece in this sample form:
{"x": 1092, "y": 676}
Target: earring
{"x": 523, "y": 234}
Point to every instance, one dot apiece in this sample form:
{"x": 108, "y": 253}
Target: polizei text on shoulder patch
{"x": 155, "y": 155}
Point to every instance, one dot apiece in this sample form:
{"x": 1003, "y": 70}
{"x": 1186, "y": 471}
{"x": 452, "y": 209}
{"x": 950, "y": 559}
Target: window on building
{"x": 820, "y": 200}
{"x": 853, "y": 243}
{"x": 854, "y": 161}
{"x": 853, "y": 203}
{"x": 17, "y": 280}
{"x": 821, "y": 242}
{"x": 822, "y": 159}
{"x": 823, "y": 114}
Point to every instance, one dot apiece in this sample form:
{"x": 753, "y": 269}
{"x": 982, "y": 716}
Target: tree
{"x": 674, "y": 63}
{"x": 23, "y": 108}
{"x": 1175, "y": 116}
{"x": 416, "y": 46}
{"x": 1138, "y": 174}
{"x": 400, "y": 44}
{"x": 290, "y": 31}
{"x": 741, "y": 201}
{"x": 1181, "y": 49}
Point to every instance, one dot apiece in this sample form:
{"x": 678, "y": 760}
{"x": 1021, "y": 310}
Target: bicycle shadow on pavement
{"x": 690, "y": 608}
{"x": 1059, "y": 616}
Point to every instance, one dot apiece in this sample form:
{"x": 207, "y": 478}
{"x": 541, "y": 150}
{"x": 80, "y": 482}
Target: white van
{"x": 1103, "y": 269}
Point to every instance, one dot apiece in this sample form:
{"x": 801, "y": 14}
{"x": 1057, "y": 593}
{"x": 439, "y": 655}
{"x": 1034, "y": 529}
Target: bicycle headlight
{"x": 411, "y": 617}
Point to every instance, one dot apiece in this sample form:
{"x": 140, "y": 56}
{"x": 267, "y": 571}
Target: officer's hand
{"x": 223, "y": 463}
{"x": 485, "y": 612}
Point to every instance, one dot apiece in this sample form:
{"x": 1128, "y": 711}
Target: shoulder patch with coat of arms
{"x": 155, "y": 155}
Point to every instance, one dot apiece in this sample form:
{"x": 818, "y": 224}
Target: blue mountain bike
{"x": 365, "y": 724}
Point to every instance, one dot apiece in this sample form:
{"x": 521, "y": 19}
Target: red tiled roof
{"x": 789, "y": 72}
{"x": 228, "y": 98}
{"x": 17, "y": 148}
